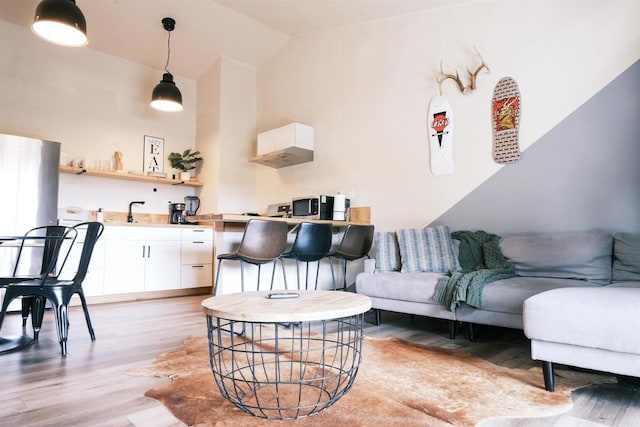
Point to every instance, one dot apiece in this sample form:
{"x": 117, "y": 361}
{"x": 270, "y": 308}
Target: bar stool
{"x": 312, "y": 243}
{"x": 263, "y": 242}
{"x": 355, "y": 244}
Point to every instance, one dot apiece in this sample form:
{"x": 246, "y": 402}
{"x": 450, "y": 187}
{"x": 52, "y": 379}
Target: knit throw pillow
{"x": 387, "y": 252}
{"x": 427, "y": 250}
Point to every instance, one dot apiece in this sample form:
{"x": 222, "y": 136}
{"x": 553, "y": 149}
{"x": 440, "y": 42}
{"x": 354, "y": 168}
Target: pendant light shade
{"x": 166, "y": 95}
{"x": 60, "y": 22}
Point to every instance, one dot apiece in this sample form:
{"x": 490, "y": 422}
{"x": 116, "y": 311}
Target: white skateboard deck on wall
{"x": 440, "y": 128}
{"x": 505, "y": 119}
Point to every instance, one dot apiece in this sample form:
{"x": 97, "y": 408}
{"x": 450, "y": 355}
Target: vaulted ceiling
{"x": 247, "y": 30}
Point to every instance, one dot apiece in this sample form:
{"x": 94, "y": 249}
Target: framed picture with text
{"x": 153, "y": 154}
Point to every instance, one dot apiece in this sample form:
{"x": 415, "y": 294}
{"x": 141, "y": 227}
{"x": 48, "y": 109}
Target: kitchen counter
{"x": 140, "y": 219}
{"x": 109, "y": 223}
{"x": 360, "y": 216}
{"x": 229, "y": 229}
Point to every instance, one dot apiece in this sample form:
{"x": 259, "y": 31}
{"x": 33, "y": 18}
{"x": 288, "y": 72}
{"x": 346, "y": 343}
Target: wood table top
{"x": 308, "y": 306}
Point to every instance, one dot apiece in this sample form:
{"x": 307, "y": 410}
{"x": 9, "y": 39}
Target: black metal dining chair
{"x": 263, "y": 242}
{"x": 356, "y": 243}
{"x": 312, "y": 244}
{"x": 39, "y": 247}
{"x": 58, "y": 291}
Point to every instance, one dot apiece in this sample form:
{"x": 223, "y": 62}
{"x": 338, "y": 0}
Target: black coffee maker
{"x": 176, "y": 213}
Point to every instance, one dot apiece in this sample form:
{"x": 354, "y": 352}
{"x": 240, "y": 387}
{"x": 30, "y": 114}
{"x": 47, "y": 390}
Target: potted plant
{"x": 184, "y": 162}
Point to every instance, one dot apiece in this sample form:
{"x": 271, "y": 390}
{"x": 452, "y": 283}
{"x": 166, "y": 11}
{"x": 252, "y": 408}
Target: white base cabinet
{"x": 140, "y": 259}
{"x": 197, "y": 258}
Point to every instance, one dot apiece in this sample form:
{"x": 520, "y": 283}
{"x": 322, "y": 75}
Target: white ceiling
{"x": 247, "y": 30}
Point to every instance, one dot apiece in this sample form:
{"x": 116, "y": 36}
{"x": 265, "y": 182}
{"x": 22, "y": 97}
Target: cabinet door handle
{"x": 197, "y": 266}
{"x": 198, "y": 231}
{"x": 148, "y": 251}
{"x": 143, "y": 251}
{"x": 198, "y": 242}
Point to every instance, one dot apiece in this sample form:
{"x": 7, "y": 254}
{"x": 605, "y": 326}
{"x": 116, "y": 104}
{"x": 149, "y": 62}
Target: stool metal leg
{"x": 344, "y": 274}
{"x": 215, "y": 290}
{"x": 242, "y": 276}
{"x": 317, "y": 274}
{"x": 333, "y": 277}
{"x": 284, "y": 274}
{"x": 273, "y": 274}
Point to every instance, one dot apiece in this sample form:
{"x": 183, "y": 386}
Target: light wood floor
{"x": 91, "y": 387}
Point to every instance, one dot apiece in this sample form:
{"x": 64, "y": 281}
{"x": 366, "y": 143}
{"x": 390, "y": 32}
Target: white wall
{"x": 208, "y": 136}
{"x": 226, "y": 128}
{"x": 366, "y": 89}
{"x": 238, "y": 116}
{"x": 94, "y": 104}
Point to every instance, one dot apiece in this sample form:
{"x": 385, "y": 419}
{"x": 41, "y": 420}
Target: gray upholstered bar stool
{"x": 312, "y": 243}
{"x": 355, "y": 244}
{"x": 263, "y": 242}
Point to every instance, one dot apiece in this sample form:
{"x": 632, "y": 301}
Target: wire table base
{"x": 285, "y": 371}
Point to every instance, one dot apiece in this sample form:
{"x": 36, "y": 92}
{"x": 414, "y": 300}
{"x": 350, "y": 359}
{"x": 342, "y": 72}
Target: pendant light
{"x": 166, "y": 95}
{"x": 60, "y": 22}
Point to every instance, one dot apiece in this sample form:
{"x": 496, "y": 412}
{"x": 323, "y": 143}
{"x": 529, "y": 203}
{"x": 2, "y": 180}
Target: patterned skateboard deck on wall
{"x": 440, "y": 123}
{"x": 505, "y": 119}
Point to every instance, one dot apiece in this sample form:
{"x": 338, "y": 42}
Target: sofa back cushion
{"x": 428, "y": 249}
{"x": 626, "y": 257}
{"x": 387, "y": 251}
{"x": 585, "y": 256}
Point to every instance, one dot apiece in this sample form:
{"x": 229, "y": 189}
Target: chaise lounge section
{"x": 591, "y": 328}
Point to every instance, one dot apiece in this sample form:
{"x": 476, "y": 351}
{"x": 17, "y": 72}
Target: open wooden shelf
{"x": 128, "y": 176}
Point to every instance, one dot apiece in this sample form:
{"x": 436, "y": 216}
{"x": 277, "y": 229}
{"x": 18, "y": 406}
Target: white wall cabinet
{"x": 285, "y": 146}
{"x": 140, "y": 259}
{"x": 197, "y": 258}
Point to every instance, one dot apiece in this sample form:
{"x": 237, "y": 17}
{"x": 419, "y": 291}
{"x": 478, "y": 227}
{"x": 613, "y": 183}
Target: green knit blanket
{"x": 481, "y": 262}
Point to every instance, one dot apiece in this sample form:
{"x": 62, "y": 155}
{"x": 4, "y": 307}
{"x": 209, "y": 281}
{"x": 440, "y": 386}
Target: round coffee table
{"x": 285, "y": 356}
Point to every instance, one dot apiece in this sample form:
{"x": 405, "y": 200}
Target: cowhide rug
{"x": 398, "y": 384}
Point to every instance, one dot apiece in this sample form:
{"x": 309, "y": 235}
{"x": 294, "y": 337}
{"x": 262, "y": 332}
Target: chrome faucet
{"x": 130, "y": 216}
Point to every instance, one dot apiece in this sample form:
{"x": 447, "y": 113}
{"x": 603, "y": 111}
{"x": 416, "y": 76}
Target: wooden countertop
{"x": 363, "y": 217}
{"x": 136, "y": 224}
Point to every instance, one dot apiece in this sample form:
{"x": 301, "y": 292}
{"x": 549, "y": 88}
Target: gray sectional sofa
{"x": 575, "y": 295}
{"x": 542, "y": 262}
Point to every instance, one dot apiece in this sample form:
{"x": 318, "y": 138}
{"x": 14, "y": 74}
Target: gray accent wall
{"x": 583, "y": 174}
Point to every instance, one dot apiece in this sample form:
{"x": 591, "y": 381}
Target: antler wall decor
{"x": 473, "y": 75}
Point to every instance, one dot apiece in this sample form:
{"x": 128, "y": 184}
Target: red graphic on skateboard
{"x": 439, "y": 124}
{"x": 506, "y": 113}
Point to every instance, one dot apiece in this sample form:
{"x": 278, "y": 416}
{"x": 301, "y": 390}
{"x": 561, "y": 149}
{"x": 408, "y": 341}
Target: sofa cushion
{"x": 427, "y": 250}
{"x": 585, "y": 256}
{"x": 508, "y": 295}
{"x": 600, "y": 317}
{"x": 415, "y": 287}
{"x": 626, "y": 257}
{"x": 387, "y": 251}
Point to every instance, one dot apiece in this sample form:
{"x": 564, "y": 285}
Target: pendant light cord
{"x": 168, "y": 51}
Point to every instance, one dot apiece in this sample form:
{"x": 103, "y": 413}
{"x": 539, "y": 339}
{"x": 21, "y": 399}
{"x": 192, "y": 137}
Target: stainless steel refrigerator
{"x": 28, "y": 188}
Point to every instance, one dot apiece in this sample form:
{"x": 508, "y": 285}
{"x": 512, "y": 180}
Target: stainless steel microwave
{"x": 313, "y": 207}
